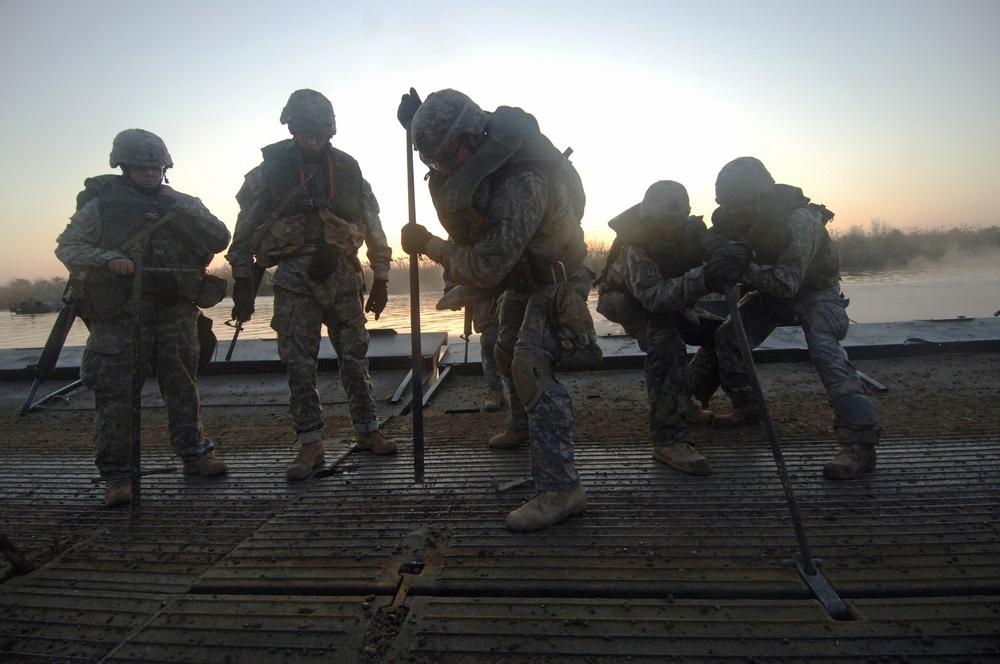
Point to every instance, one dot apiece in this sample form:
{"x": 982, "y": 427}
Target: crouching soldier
{"x": 112, "y": 212}
{"x": 654, "y": 277}
{"x": 795, "y": 277}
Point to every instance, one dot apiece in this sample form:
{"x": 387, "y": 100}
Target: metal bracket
{"x": 822, "y": 589}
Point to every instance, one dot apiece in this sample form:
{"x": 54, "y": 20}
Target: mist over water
{"x": 969, "y": 288}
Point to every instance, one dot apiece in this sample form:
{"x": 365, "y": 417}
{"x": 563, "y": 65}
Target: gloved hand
{"x": 243, "y": 297}
{"x": 378, "y": 298}
{"x": 408, "y": 106}
{"x": 414, "y": 238}
{"x": 727, "y": 265}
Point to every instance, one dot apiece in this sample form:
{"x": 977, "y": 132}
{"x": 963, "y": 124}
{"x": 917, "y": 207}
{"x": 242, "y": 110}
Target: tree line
{"x": 881, "y": 247}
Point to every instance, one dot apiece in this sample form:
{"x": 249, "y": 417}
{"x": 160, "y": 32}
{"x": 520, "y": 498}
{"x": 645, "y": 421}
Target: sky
{"x": 881, "y": 109}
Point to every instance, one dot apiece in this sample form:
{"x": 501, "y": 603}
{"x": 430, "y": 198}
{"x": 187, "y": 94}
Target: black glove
{"x": 415, "y": 238}
{"x": 378, "y": 298}
{"x": 727, "y": 265}
{"x": 243, "y": 297}
{"x": 408, "y": 106}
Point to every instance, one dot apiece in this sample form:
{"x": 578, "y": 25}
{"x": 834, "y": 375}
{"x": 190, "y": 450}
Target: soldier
{"x": 111, "y": 210}
{"x": 652, "y": 281}
{"x": 486, "y": 323}
{"x": 796, "y": 279}
{"x": 512, "y": 205}
{"x": 307, "y": 209}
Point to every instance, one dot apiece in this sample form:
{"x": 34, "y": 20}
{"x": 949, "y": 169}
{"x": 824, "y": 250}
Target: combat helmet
{"x": 741, "y": 181}
{"x": 665, "y": 200}
{"x": 443, "y": 117}
{"x": 138, "y": 147}
{"x": 309, "y": 111}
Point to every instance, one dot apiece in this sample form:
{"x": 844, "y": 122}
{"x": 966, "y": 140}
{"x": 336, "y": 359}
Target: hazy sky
{"x": 882, "y": 109}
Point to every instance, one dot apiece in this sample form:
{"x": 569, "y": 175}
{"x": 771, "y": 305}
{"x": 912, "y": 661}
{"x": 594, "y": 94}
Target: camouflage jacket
{"x": 530, "y": 225}
{"x": 260, "y": 196}
{"x": 794, "y": 253}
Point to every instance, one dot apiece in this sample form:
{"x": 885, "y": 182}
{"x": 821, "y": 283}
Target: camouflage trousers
{"x": 550, "y": 421}
{"x": 299, "y": 319}
{"x": 664, "y": 339}
{"x": 823, "y": 318}
{"x": 169, "y": 352}
{"x": 510, "y": 316}
{"x": 487, "y": 324}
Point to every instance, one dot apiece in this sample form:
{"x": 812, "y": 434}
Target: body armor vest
{"x": 514, "y": 142}
{"x": 769, "y": 236}
{"x": 125, "y": 212}
{"x": 327, "y": 212}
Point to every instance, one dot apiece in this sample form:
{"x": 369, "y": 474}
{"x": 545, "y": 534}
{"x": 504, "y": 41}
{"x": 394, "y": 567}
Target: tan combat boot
{"x": 118, "y": 492}
{"x": 693, "y": 414}
{"x": 310, "y": 455}
{"x": 508, "y": 438}
{"x": 494, "y": 401}
{"x": 851, "y": 462}
{"x": 547, "y": 508}
{"x": 683, "y": 456}
{"x": 205, "y": 467}
{"x": 376, "y": 442}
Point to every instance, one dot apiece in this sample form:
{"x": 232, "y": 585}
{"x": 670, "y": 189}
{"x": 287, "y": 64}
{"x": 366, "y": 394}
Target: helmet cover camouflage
{"x": 138, "y": 147}
{"x": 665, "y": 200}
{"x": 309, "y": 111}
{"x": 442, "y": 118}
{"x": 741, "y": 181}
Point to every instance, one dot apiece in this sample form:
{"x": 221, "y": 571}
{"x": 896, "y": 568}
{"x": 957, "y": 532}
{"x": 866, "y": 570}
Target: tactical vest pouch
{"x": 575, "y": 330}
{"x": 210, "y": 291}
{"x": 102, "y": 298}
{"x": 207, "y": 341}
{"x": 622, "y": 308}
{"x": 324, "y": 262}
{"x": 285, "y": 237}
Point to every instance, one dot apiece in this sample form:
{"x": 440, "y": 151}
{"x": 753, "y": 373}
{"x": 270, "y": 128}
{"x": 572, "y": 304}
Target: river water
{"x": 876, "y": 297}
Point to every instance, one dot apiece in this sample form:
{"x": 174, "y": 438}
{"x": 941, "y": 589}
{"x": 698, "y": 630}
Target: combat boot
{"x": 683, "y": 456}
{"x": 740, "y": 416}
{"x": 209, "y": 467}
{"x": 547, "y": 508}
{"x": 494, "y": 401}
{"x": 310, "y": 455}
{"x": 695, "y": 415}
{"x": 376, "y": 442}
{"x": 118, "y": 492}
{"x": 851, "y": 462}
{"x": 508, "y": 438}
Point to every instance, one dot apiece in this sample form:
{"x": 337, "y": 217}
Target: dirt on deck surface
{"x": 928, "y": 395}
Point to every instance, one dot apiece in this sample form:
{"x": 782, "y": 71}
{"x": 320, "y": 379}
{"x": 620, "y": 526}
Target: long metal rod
{"x": 137, "y": 373}
{"x": 772, "y": 432}
{"x": 417, "y": 403}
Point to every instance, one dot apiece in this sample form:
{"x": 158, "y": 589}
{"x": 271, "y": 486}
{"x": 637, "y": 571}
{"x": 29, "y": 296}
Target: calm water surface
{"x": 876, "y": 297}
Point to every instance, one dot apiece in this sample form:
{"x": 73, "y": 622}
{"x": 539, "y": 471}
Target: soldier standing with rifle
{"x": 308, "y": 210}
{"x": 178, "y": 237}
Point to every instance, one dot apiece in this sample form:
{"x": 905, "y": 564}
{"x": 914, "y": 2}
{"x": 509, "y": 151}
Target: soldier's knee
{"x": 532, "y": 374}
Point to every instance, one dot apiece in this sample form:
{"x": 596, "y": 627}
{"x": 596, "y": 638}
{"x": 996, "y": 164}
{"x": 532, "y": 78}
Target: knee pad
{"x": 531, "y": 374}
{"x": 855, "y": 420}
{"x": 855, "y": 410}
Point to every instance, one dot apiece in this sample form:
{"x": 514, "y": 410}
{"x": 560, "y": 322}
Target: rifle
{"x": 258, "y": 277}
{"x": 64, "y": 321}
{"x": 255, "y": 240}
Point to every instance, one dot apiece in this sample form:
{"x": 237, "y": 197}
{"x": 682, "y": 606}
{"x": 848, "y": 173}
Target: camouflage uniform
{"x": 170, "y": 346}
{"x": 511, "y": 224}
{"x": 485, "y": 322}
{"x": 303, "y": 304}
{"x": 796, "y": 280}
{"x": 656, "y": 283}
